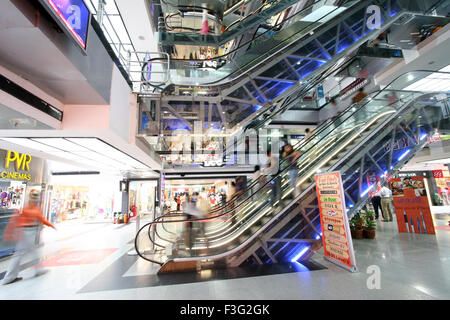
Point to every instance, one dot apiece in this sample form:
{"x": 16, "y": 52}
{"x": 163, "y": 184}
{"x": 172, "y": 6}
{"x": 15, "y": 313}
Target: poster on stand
{"x": 412, "y": 209}
{"x": 337, "y": 242}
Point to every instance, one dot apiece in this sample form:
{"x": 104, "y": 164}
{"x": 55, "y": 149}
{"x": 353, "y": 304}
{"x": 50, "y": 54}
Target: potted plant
{"x": 370, "y": 214}
{"x": 370, "y": 225}
{"x": 356, "y": 226}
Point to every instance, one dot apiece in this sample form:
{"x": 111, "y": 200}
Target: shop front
{"x": 143, "y": 198}
{"x": 85, "y": 198}
{"x": 214, "y": 191}
{"x": 19, "y": 174}
{"x": 437, "y": 183}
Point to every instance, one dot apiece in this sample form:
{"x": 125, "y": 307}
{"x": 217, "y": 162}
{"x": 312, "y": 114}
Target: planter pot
{"x": 369, "y": 233}
{"x": 357, "y": 233}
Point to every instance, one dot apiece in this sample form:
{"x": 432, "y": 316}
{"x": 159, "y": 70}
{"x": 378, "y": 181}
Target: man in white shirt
{"x": 376, "y": 201}
{"x": 386, "y": 203}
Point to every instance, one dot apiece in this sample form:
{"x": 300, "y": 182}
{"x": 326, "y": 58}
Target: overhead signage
{"x": 21, "y": 162}
{"x": 353, "y": 87}
{"x": 437, "y": 174}
{"x": 412, "y": 209}
{"x": 399, "y": 144}
{"x": 380, "y": 52}
{"x": 436, "y": 137}
{"x": 73, "y": 16}
{"x": 410, "y": 174}
{"x": 337, "y": 242}
{"x": 297, "y": 136}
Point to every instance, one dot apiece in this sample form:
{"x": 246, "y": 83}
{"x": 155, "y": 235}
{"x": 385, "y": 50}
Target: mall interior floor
{"x": 95, "y": 264}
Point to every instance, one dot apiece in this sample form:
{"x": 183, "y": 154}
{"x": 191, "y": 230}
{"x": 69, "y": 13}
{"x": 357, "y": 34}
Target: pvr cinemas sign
{"x": 21, "y": 162}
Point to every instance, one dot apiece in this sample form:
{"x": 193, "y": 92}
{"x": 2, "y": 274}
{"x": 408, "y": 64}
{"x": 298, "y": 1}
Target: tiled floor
{"x": 413, "y": 266}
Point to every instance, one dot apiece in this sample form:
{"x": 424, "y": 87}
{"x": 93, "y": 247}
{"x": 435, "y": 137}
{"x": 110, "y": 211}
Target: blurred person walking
{"x": 292, "y": 155}
{"x": 256, "y": 181}
{"x": 357, "y": 99}
{"x": 24, "y": 228}
{"x": 271, "y": 172}
{"x": 194, "y": 213}
{"x": 231, "y": 196}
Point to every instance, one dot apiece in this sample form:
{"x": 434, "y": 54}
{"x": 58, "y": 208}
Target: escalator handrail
{"x": 318, "y": 130}
{"x": 262, "y": 34}
{"x": 323, "y": 127}
{"x": 362, "y": 103}
{"x": 246, "y": 17}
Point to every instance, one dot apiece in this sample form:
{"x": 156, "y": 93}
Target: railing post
{"x": 101, "y": 11}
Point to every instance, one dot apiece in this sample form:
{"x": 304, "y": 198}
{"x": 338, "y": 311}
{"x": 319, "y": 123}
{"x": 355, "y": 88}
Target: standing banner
{"x": 337, "y": 242}
{"x": 411, "y": 205}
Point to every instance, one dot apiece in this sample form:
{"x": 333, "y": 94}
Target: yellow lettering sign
{"x": 21, "y": 161}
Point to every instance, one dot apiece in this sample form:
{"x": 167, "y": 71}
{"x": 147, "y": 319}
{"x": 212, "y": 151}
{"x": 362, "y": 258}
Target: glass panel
{"x": 228, "y": 226}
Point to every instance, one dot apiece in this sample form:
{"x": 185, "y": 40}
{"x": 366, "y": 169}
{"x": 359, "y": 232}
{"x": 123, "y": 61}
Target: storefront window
{"x": 84, "y": 198}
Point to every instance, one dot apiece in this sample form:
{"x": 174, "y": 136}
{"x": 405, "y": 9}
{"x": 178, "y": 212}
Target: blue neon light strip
{"x": 300, "y": 254}
{"x": 403, "y": 155}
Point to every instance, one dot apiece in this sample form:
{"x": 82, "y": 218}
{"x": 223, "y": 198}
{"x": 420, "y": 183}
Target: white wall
{"x": 119, "y": 120}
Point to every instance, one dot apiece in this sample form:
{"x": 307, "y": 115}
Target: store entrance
{"x": 143, "y": 197}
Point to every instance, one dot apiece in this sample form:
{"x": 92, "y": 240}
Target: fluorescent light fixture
{"x": 31, "y": 144}
{"x": 82, "y": 160}
{"x": 300, "y": 254}
{"x": 60, "y": 143}
{"x": 323, "y": 13}
{"x": 435, "y": 82}
{"x": 404, "y": 155}
{"x": 443, "y": 160}
{"x": 104, "y": 149}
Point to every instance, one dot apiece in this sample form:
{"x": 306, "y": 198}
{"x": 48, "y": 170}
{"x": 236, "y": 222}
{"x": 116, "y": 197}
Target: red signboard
{"x": 438, "y": 174}
{"x": 411, "y": 205}
{"x": 337, "y": 242}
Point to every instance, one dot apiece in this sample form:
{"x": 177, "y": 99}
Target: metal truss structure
{"x": 273, "y": 76}
{"x": 360, "y": 142}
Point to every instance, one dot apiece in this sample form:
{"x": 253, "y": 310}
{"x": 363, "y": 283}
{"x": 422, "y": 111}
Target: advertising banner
{"x": 73, "y": 16}
{"x": 411, "y": 205}
{"x": 337, "y": 242}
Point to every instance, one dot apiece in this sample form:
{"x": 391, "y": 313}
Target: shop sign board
{"x": 438, "y": 174}
{"x": 412, "y": 209}
{"x": 297, "y": 136}
{"x": 353, "y": 87}
{"x": 21, "y": 162}
{"x": 337, "y": 241}
{"x": 398, "y": 144}
{"x": 410, "y": 174}
{"x": 436, "y": 137}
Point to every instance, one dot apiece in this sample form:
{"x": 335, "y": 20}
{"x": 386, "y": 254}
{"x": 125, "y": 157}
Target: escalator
{"x": 258, "y": 228}
{"x": 235, "y": 29}
{"x": 282, "y": 67}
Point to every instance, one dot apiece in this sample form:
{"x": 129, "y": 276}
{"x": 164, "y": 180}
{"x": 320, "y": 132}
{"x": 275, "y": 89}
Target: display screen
{"x": 73, "y": 16}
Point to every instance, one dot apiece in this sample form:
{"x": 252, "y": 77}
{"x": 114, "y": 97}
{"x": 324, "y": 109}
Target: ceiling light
{"x": 60, "y": 143}
{"x": 31, "y": 144}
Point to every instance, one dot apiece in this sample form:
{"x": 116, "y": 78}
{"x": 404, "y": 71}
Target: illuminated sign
{"x": 73, "y": 16}
{"x": 21, "y": 163}
{"x": 337, "y": 243}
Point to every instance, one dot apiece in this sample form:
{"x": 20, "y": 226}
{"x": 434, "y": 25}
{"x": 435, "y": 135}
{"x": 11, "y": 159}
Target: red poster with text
{"x": 411, "y": 205}
{"x": 336, "y": 238}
